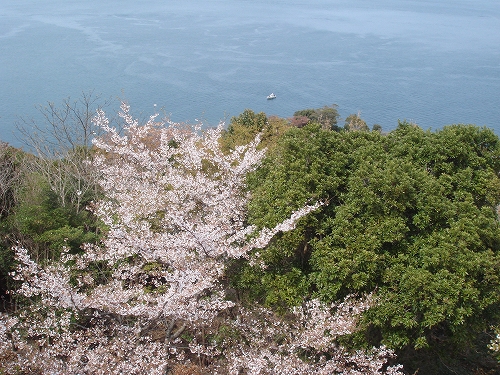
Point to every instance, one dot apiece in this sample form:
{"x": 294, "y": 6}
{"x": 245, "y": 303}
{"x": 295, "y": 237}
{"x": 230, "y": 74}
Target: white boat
{"x": 271, "y": 96}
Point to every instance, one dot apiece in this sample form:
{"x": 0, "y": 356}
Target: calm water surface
{"x": 431, "y": 62}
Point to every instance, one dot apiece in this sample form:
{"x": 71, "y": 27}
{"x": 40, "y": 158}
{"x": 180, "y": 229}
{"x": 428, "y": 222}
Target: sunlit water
{"x": 431, "y": 62}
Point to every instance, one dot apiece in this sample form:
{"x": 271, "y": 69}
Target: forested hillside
{"x": 267, "y": 246}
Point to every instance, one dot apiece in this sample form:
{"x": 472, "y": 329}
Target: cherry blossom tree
{"x": 494, "y": 345}
{"x": 152, "y": 295}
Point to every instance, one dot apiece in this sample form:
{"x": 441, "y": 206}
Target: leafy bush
{"x": 411, "y": 215}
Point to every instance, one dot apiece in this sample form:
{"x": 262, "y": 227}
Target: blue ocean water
{"x": 430, "y": 62}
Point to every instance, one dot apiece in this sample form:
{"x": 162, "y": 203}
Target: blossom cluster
{"x": 494, "y": 345}
{"x": 306, "y": 342}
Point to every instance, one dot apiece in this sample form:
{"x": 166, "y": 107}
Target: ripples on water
{"x": 432, "y": 62}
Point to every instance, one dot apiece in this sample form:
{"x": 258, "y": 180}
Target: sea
{"x": 431, "y": 62}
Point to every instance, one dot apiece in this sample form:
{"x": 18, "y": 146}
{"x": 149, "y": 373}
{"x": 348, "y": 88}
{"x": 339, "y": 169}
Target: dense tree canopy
{"x": 244, "y": 128}
{"x": 411, "y": 215}
{"x": 326, "y": 116}
{"x": 10, "y": 177}
{"x": 354, "y": 122}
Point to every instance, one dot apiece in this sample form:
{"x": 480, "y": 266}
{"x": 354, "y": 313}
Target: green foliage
{"x": 286, "y": 289}
{"x": 306, "y": 165}
{"x": 225, "y": 334}
{"x": 247, "y": 125}
{"x": 11, "y": 171}
{"x": 411, "y": 215}
{"x": 244, "y": 128}
{"x": 354, "y": 122}
{"x": 39, "y": 221}
{"x": 249, "y": 119}
{"x": 327, "y": 117}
